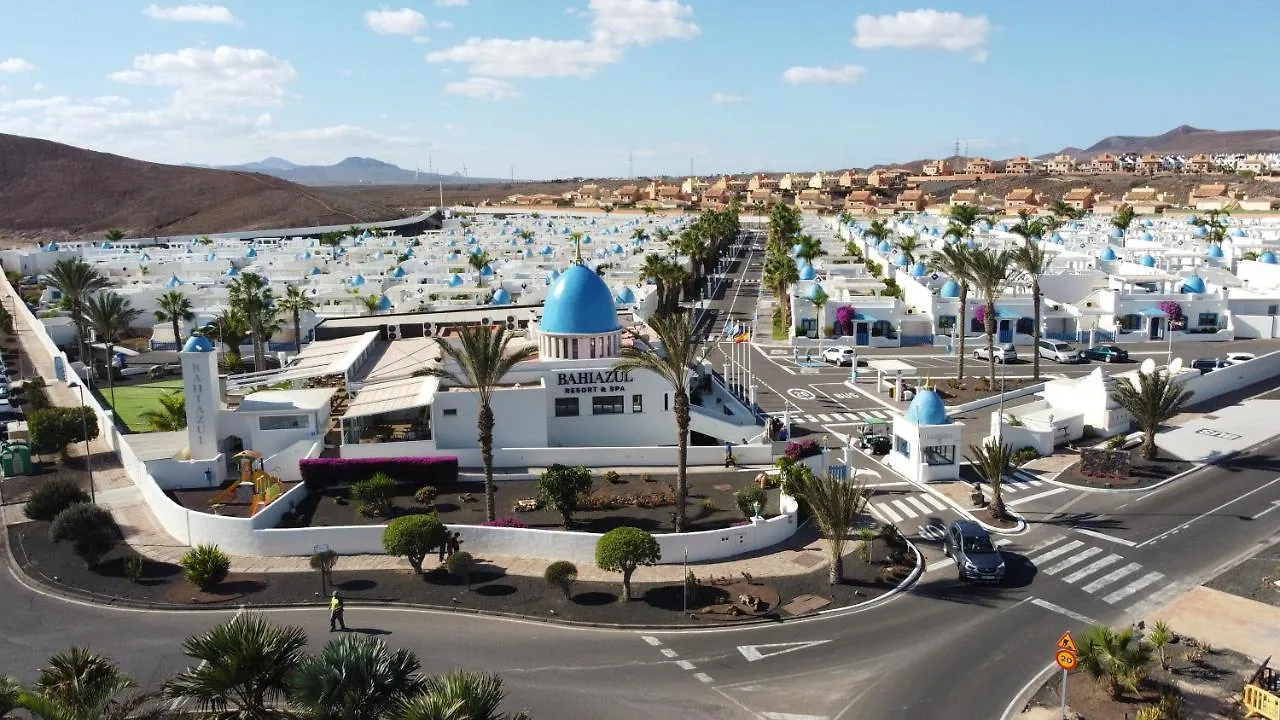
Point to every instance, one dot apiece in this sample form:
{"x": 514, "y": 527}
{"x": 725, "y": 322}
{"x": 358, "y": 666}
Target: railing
{"x": 1261, "y": 703}
{"x": 916, "y": 340}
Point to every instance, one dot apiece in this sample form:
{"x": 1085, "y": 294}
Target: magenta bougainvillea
{"x": 844, "y": 320}
{"x": 980, "y": 314}
{"x": 1174, "y": 311}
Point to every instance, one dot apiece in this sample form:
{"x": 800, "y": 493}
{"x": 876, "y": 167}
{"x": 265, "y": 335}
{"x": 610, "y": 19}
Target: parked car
{"x": 1106, "y": 353}
{"x": 976, "y": 557}
{"x": 839, "y": 354}
{"x": 876, "y": 444}
{"x": 1236, "y": 358}
{"x": 1004, "y": 353}
{"x": 1058, "y": 351}
{"x": 1205, "y": 365}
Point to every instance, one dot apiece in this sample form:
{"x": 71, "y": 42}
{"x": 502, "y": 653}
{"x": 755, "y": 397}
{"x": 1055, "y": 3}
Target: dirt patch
{"x": 1255, "y": 579}
{"x": 984, "y": 515}
{"x": 976, "y": 388}
{"x": 1142, "y": 473}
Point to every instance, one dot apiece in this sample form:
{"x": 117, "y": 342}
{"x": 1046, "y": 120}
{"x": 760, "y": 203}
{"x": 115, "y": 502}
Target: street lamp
{"x": 88, "y": 457}
{"x": 1004, "y": 366}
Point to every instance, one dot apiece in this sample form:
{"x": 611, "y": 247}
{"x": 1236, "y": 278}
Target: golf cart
{"x": 873, "y": 436}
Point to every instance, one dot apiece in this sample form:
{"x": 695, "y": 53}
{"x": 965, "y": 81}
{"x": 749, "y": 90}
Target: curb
{"x": 1028, "y": 691}
{"x": 1082, "y": 488}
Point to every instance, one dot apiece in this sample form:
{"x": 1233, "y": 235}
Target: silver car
{"x": 976, "y": 557}
{"x": 1058, "y": 351}
{"x": 1004, "y": 353}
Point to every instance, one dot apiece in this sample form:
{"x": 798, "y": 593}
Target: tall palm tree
{"x": 1117, "y": 658}
{"x": 460, "y": 695}
{"x": 965, "y": 214}
{"x": 810, "y": 248}
{"x": 658, "y": 269}
{"x": 909, "y": 246}
{"x": 480, "y": 361}
{"x": 170, "y": 416}
{"x": 1062, "y": 209}
{"x": 229, "y": 327}
{"x": 819, "y": 301}
{"x": 680, "y": 349}
{"x": 1152, "y": 400}
{"x": 993, "y": 461}
{"x": 109, "y": 315}
{"x": 988, "y": 271}
{"x": 113, "y": 235}
{"x": 252, "y": 294}
{"x": 784, "y": 225}
{"x": 478, "y": 261}
{"x": 79, "y": 684}
{"x": 372, "y": 303}
{"x": 1215, "y": 226}
{"x": 295, "y": 302}
{"x": 879, "y": 230}
{"x": 355, "y": 677}
{"x": 1030, "y": 258}
{"x": 175, "y": 308}
{"x": 77, "y": 281}
{"x": 244, "y": 665}
{"x": 1123, "y": 218}
{"x": 833, "y": 503}
{"x": 953, "y": 259}
{"x": 780, "y": 273}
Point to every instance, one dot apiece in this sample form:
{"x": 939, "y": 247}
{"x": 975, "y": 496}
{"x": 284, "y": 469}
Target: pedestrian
{"x": 444, "y": 545}
{"x": 455, "y": 543}
{"x": 335, "y": 613}
{"x": 728, "y": 453}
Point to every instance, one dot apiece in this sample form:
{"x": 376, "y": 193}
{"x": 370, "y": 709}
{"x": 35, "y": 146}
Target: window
{"x": 1273, "y": 309}
{"x": 607, "y": 405}
{"x": 902, "y": 446}
{"x": 666, "y": 402}
{"x": 449, "y": 411}
{"x": 593, "y": 348}
{"x": 637, "y": 403}
{"x": 1208, "y": 320}
{"x": 939, "y": 454}
{"x": 1132, "y": 321}
{"x": 282, "y": 422}
{"x": 574, "y": 343}
{"x": 1025, "y": 326}
{"x": 567, "y": 407}
{"x": 977, "y": 325}
{"x": 946, "y": 322}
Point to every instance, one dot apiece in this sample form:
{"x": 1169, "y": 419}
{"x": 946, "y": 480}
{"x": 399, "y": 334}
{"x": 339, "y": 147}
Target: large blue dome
{"x": 1268, "y": 257}
{"x": 1107, "y": 254}
{"x": 927, "y": 408}
{"x": 1215, "y": 251}
{"x": 1148, "y": 261}
{"x": 198, "y": 343}
{"x": 808, "y": 273}
{"x": 950, "y": 289}
{"x": 1193, "y": 284}
{"x": 579, "y": 303}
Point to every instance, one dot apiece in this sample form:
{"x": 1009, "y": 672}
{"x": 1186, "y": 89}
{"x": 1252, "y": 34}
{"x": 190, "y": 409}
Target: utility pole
{"x": 513, "y": 173}
{"x": 429, "y": 165}
{"x": 631, "y": 164}
{"x": 464, "y": 169}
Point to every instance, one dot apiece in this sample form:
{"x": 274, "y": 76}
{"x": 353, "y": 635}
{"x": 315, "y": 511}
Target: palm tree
{"x": 819, "y": 300}
{"x": 77, "y": 281}
{"x": 965, "y": 214}
{"x": 1151, "y": 398}
{"x": 780, "y": 273}
{"x": 480, "y": 361}
{"x": 1123, "y": 218}
{"x": 355, "y": 677}
{"x": 1062, "y": 209}
{"x": 295, "y": 302}
{"x": 175, "y": 308}
{"x": 459, "y": 695}
{"x": 658, "y": 269}
{"x": 109, "y": 315}
{"x": 170, "y": 416}
{"x": 810, "y": 248}
{"x": 833, "y": 503}
{"x": 992, "y": 462}
{"x": 10, "y": 691}
{"x": 641, "y": 234}
{"x": 230, "y": 327}
{"x": 243, "y": 670}
{"x": 80, "y": 684}
{"x": 372, "y": 303}
{"x": 478, "y": 261}
{"x": 988, "y": 271}
{"x": 1117, "y": 658}
{"x": 953, "y": 259}
{"x": 784, "y": 225}
{"x": 1213, "y": 223}
{"x": 680, "y": 350}
{"x": 879, "y": 230}
{"x": 251, "y": 294}
{"x": 1030, "y": 258}
{"x": 908, "y": 246}
{"x": 113, "y": 235}
{"x": 1026, "y": 227}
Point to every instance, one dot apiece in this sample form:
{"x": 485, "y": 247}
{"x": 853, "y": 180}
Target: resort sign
{"x": 587, "y": 382}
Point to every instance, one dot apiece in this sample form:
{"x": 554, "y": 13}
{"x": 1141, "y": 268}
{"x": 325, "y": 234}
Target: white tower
{"x": 200, "y": 385}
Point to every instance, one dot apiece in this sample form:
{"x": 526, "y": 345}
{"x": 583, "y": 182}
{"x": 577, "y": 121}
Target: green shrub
{"x": 748, "y": 497}
{"x": 562, "y": 488}
{"x": 613, "y": 478}
{"x": 54, "y": 428}
{"x": 37, "y": 397}
{"x": 561, "y": 575}
{"x": 709, "y": 505}
{"x": 52, "y": 498}
{"x": 412, "y": 537}
{"x": 373, "y": 495}
{"x": 461, "y": 564}
{"x": 623, "y": 549}
{"x": 91, "y": 530}
{"x": 324, "y": 561}
{"x": 133, "y": 568}
{"x": 1025, "y": 455}
{"x": 426, "y": 495}
{"x": 205, "y": 566}
{"x": 1115, "y": 442}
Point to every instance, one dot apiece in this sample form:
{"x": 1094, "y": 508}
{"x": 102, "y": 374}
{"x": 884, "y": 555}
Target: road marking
{"x": 1111, "y": 577}
{"x": 1203, "y": 515}
{"x": 875, "y": 512}
{"x": 685, "y": 665}
{"x": 668, "y": 652}
{"x": 825, "y": 418}
{"x": 800, "y": 394}
{"x": 1063, "y": 611}
{"x": 1132, "y": 587}
{"x": 791, "y": 716}
{"x": 651, "y": 640}
{"x": 1274, "y": 504}
{"x": 1037, "y": 496}
{"x": 937, "y": 505}
{"x": 933, "y": 532}
{"x": 886, "y": 509}
{"x": 923, "y": 508}
{"x": 758, "y": 652}
{"x": 1061, "y": 550}
{"x": 905, "y": 509}
{"x": 1103, "y": 536}
{"x": 703, "y": 677}
{"x": 1001, "y": 542}
{"x": 1079, "y": 558}
{"x": 1092, "y": 568}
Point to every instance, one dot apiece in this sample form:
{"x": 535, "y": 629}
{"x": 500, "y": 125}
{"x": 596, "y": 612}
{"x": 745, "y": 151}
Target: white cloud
{"x": 452, "y": 3}
{"x": 198, "y": 12}
{"x": 421, "y": 39}
{"x": 111, "y": 101}
{"x": 534, "y": 57}
{"x": 224, "y": 76}
{"x": 481, "y": 88}
{"x": 405, "y": 21}
{"x": 37, "y": 87}
{"x": 723, "y": 99}
{"x": 843, "y": 75}
{"x": 641, "y": 22}
{"x": 442, "y": 25}
{"x": 924, "y": 29}
{"x": 15, "y": 65}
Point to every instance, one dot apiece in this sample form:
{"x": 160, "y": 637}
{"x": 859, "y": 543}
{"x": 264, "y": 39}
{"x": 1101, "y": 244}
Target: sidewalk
{"x": 1225, "y": 620}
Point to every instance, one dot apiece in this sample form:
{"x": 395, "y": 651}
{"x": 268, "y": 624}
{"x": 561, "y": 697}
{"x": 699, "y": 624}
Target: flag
{"x": 743, "y": 335}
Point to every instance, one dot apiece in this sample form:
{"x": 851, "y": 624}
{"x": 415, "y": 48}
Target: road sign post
{"x": 1067, "y": 659}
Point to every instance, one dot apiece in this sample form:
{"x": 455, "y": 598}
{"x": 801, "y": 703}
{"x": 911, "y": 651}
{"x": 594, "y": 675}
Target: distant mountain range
{"x": 351, "y": 171}
{"x": 1185, "y": 140}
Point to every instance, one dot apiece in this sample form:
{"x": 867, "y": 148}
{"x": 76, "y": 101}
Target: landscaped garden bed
{"x": 1141, "y": 472}
{"x": 975, "y": 388}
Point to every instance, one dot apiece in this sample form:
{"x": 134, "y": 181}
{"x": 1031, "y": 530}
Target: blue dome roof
{"x": 455, "y": 280}
{"x": 1238, "y": 232}
{"x": 625, "y": 296}
{"x": 796, "y": 250}
{"x": 950, "y": 289}
{"x": 51, "y": 247}
{"x": 384, "y": 303}
{"x": 918, "y": 269}
{"x": 399, "y": 272}
{"x": 808, "y": 273}
{"x": 233, "y": 272}
{"x": 813, "y": 291}
{"x": 1268, "y": 257}
{"x": 972, "y": 244}
{"x": 1215, "y": 251}
{"x": 1057, "y": 238}
{"x": 1202, "y": 231}
{"x": 1146, "y": 236}
{"x": 315, "y": 271}
{"x": 884, "y": 246}
{"x": 579, "y": 303}
{"x": 548, "y": 250}
{"x": 501, "y": 297}
{"x": 357, "y": 280}
{"x": 1148, "y": 261}
{"x": 251, "y": 253}
{"x": 198, "y": 343}
{"x": 173, "y": 282}
{"x": 1117, "y": 233}
{"x": 1107, "y": 254}
{"x": 927, "y": 408}
{"x": 1191, "y": 219}
{"x": 486, "y": 271}
{"x": 1193, "y": 284}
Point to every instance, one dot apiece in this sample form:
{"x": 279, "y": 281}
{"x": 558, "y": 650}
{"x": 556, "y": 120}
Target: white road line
{"x": 1133, "y": 587}
{"x": 1103, "y": 536}
{"x": 1111, "y": 577}
{"x": 916, "y": 501}
{"x": 1092, "y": 568}
{"x": 791, "y": 716}
{"x": 1037, "y": 496}
{"x": 825, "y": 418}
{"x": 1063, "y": 611}
{"x": 1001, "y": 542}
{"x": 1060, "y": 550}
{"x": 1045, "y": 543}
{"x": 651, "y": 640}
{"x": 668, "y": 652}
{"x": 887, "y": 510}
{"x": 874, "y": 510}
{"x": 685, "y": 665}
{"x": 703, "y": 677}
{"x": 1084, "y": 554}
{"x": 905, "y": 509}
{"x": 937, "y": 504}
{"x": 1157, "y": 599}
{"x": 1207, "y": 513}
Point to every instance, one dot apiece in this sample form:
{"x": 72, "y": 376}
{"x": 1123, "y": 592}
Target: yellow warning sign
{"x": 1068, "y": 643}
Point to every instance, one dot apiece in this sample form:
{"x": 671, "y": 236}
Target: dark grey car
{"x": 976, "y": 557}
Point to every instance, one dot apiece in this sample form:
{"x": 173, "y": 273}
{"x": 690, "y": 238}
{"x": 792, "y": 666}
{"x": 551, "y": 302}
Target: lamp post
{"x": 1004, "y": 366}
{"x": 88, "y": 457}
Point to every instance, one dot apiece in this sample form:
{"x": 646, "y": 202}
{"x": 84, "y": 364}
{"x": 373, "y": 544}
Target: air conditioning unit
{"x": 392, "y": 332}
{"x": 427, "y": 330}
{"x": 485, "y": 321}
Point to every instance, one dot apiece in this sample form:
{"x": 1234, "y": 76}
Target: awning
{"x": 864, "y": 317}
{"x": 1152, "y": 312}
{"x": 392, "y": 396}
{"x": 1008, "y": 315}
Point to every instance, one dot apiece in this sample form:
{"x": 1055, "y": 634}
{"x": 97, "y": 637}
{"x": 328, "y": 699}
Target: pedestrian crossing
{"x": 898, "y": 508}
{"x": 844, "y": 417}
{"x": 1020, "y": 484}
{"x": 1095, "y": 570}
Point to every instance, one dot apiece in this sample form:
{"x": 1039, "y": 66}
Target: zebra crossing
{"x": 845, "y": 417}
{"x": 1092, "y": 569}
{"x": 1020, "y": 484}
{"x": 899, "y": 508}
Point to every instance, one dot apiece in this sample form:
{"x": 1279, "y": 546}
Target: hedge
{"x": 323, "y": 473}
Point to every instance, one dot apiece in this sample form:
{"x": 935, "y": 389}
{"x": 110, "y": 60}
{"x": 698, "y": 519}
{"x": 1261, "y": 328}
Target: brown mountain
{"x": 1186, "y": 140}
{"x": 48, "y": 189}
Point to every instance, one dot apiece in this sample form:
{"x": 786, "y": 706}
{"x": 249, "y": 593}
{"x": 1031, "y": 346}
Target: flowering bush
{"x": 980, "y": 314}
{"x": 844, "y": 320}
{"x": 506, "y": 521}
{"x": 1174, "y": 311}
{"x": 801, "y": 449}
{"x": 321, "y": 473}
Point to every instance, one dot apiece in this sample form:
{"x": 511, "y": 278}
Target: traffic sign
{"x": 1068, "y": 643}
{"x": 1066, "y": 660}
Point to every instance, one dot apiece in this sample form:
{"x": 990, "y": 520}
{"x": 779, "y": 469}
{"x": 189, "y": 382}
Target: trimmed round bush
{"x": 561, "y": 575}
{"x": 426, "y": 495}
{"x": 623, "y": 549}
{"x": 52, "y": 498}
{"x": 373, "y": 495}
{"x": 412, "y": 537}
{"x": 91, "y": 530}
{"x": 205, "y": 566}
{"x": 747, "y": 497}
{"x": 461, "y": 564}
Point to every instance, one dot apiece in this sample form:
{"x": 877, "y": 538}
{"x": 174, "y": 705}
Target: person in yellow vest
{"x": 335, "y": 613}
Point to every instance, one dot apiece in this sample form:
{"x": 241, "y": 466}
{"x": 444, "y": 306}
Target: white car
{"x": 1237, "y": 357}
{"x": 840, "y": 355}
{"x": 1004, "y": 353}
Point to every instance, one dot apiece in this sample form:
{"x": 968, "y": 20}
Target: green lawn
{"x": 133, "y": 400}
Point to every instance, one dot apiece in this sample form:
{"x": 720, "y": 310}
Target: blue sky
{"x": 560, "y": 89}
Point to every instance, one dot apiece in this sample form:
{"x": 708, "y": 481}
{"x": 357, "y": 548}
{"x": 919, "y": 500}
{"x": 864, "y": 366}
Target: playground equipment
{"x": 256, "y": 488}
